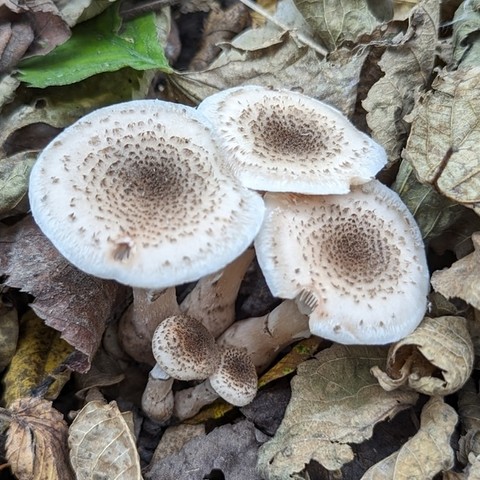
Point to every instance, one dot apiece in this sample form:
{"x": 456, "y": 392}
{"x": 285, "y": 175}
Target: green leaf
{"x": 101, "y": 44}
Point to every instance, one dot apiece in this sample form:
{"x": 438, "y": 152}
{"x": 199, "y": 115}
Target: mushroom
{"x": 137, "y": 192}
{"x": 235, "y": 380}
{"x": 262, "y": 338}
{"x": 355, "y": 263}
{"x": 283, "y": 141}
{"x": 183, "y": 349}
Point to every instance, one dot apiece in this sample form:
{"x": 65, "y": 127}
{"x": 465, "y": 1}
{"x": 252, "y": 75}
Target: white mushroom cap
{"x": 355, "y": 263}
{"x": 137, "y": 192}
{"x": 185, "y": 349}
{"x": 235, "y": 379}
{"x": 283, "y": 141}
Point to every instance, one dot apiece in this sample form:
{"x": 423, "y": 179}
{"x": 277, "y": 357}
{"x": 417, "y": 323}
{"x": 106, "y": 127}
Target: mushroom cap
{"x": 137, "y": 192}
{"x": 235, "y": 379}
{"x": 185, "y": 349}
{"x": 283, "y": 141}
{"x": 355, "y": 263}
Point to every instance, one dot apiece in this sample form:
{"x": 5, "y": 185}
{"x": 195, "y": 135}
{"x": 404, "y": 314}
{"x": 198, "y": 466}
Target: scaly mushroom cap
{"x": 235, "y": 379}
{"x": 283, "y": 141}
{"x": 136, "y": 192}
{"x": 355, "y": 263}
{"x": 185, "y": 349}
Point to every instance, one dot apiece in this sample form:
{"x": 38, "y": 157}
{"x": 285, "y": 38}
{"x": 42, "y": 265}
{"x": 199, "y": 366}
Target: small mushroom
{"x": 184, "y": 349}
{"x": 235, "y": 380}
{"x": 283, "y": 141}
{"x": 138, "y": 192}
{"x": 355, "y": 263}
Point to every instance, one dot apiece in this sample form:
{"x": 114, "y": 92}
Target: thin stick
{"x": 298, "y": 35}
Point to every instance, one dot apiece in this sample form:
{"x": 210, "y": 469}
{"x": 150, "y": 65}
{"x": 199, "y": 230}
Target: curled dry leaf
{"x": 407, "y": 64}
{"x": 436, "y": 359}
{"x": 466, "y": 27}
{"x": 76, "y": 304}
{"x": 37, "y": 441}
{"x": 102, "y": 443}
{"x": 335, "y": 402}
{"x": 444, "y": 143}
{"x": 426, "y": 453}
{"x": 461, "y": 279}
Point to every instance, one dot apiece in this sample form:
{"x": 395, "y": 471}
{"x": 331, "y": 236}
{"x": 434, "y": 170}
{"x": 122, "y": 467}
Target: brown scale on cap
{"x": 184, "y": 348}
{"x": 235, "y": 379}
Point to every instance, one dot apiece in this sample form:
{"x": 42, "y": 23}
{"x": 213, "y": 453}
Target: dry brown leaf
{"x": 425, "y": 454}
{"x": 76, "y": 304}
{"x": 335, "y": 402}
{"x": 462, "y": 278}
{"x": 436, "y": 359}
{"x": 444, "y": 143}
{"x": 407, "y": 64}
{"x": 335, "y": 22}
{"x": 102, "y": 444}
{"x": 465, "y": 39}
{"x": 37, "y": 441}
{"x": 9, "y": 327}
{"x": 36, "y": 26}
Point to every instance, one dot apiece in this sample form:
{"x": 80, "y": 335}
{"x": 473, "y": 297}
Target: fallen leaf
{"x": 37, "y": 441}
{"x": 335, "y": 402}
{"x": 461, "y": 279}
{"x": 337, "y": 22}
{"x": 444, "y": 143}
{"x": 427, "y": 453}
{"x": 433, "y": 212}
{"x": 102, "y": 444}
{"x": 103, "y": 44}
{"x": 230, "y": 450}
{"x": 407, "y": 64}
{"x": 465, "y": 38}
{"x": 72, "y": 302}
{"x": 436, "y": 359}
{"x": 40, "y": 352}
{"x": 8, "y": 334}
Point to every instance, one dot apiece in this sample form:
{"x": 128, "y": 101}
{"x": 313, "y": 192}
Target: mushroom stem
{"x": 157, "y": 399}
{"x": 190, "y": 401}
{"x": 264, "y": 337}
{"x": 212, "y": 301}
{"x": 148, "y": 310}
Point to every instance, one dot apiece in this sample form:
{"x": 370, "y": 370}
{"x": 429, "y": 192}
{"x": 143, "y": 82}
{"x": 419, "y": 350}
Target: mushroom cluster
{"x": 336, "y": 240}
{"x": 154, "y": 195}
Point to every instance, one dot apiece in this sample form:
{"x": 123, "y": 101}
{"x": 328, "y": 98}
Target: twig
{"x": 298, "y": 35}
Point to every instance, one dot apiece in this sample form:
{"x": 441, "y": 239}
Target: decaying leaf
{"x": 425, "y": 454}
{"x": 436, "y": 359}
{"x": 39, "y": 353}
{"x": 433, "y": 212}
{"x": 444, "y": 143}
{"x": 407, "y": 64}
{"x": 462, "y": 278}
{"x": 335, "y": 22}
{"x": 9, "y": 327}
{"x": 465, "y": 39}
{"x": 37, "y": 441}
{"x": 102, "y": 443}
{"x": 335, "y": 402}
{"x": 230, "y": 450}
{"x": 72, "y": 302}
{"x": 271, "y": 57}
{"x": 34, "y": 26}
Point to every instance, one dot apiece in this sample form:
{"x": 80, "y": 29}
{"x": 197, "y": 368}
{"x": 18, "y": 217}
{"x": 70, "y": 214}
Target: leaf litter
{"x": 408, "y": 73}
